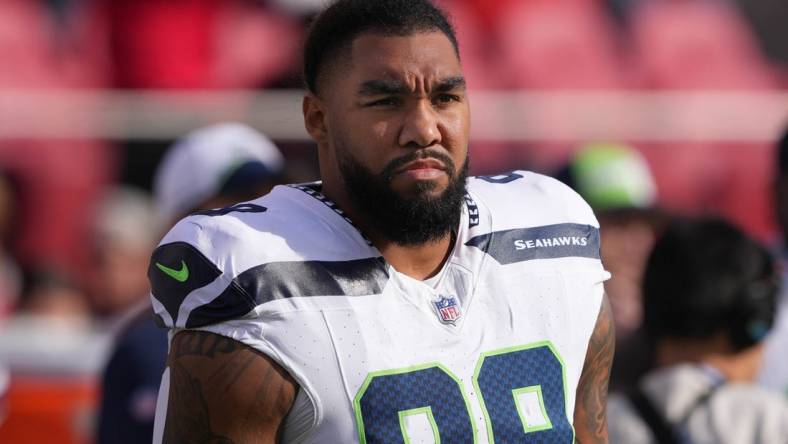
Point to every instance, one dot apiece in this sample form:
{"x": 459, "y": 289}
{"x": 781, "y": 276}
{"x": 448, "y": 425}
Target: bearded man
{"x": 397, "y": 300}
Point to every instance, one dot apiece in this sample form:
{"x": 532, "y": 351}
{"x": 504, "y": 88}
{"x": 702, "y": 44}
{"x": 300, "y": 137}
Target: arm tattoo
{"x": 591, "y": 404}
{"x": 199, "y": 343}
{"x": 191, "y": 423}
{"x": 223, "y": 392}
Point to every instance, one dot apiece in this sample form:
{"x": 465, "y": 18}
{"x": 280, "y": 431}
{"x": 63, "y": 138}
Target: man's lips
{"x": 422, "y": 169}
{"x": 422, "y": 164}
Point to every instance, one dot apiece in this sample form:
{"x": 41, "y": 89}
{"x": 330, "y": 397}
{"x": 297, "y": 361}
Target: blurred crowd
{"x": 80, "y": 217}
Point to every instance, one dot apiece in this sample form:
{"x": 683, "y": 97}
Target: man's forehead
{"x": 391, "y": 57}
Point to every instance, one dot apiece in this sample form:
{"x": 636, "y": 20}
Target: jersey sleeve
{"x": 191, "y": 281}
{"x": 194, "y": 286}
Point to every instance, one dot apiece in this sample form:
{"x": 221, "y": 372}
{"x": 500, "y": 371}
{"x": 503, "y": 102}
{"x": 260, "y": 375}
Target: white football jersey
{"x": 491, "y": 349}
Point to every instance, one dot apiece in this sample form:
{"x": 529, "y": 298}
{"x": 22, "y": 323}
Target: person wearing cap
{"x": 610, "y": 176}
{"x": 214, "y": 166}
{"x": 208, "y": 168}
{"x": 123, "y": 230}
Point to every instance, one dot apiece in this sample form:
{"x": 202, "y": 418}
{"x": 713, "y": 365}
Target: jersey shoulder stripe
{"x": 545, "y": 242}
{"x": 282, "y": 280}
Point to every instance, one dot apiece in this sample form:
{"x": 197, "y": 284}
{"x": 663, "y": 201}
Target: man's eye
{"x": 445, "y": 99}
{"x": 388, "y": 101}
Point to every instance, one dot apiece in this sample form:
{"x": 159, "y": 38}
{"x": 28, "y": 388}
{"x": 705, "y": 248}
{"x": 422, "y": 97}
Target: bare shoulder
{"x": 222, "y": 391}
{"x": 590, "y": 419}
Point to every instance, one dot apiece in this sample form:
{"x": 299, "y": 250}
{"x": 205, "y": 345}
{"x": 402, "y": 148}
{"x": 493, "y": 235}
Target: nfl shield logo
{"x": 448, "y": 309}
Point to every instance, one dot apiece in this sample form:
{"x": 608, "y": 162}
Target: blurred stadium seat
{"x": 559, "y": 45}
{"x": 158, "y": 44}
{"x": 254, "y": 46}
{"x": 696, "y": 44}
{"x": 58, "y": 177}
{"x": 480, "y": 56}
{"x": 25, "y": 44}
{"x": 680, "y": 45}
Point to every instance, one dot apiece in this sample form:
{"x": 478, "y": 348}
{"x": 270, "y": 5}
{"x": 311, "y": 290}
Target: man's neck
{"x": 421, "y": 261}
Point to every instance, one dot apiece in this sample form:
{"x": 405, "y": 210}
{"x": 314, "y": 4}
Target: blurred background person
{"x": 212, "y": 167}
{"x": 774, "y": 373}
{"x": 709, "y": 295}
{"x": 53, "y": 297}
{"x": 616, "y": 180}
{"x": 124, "y": 231}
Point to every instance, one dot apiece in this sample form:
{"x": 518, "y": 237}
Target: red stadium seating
{"x": 59, "y": 178}
{"x": 730, "y": 179}
{"x": 158, "y": 44}
{"x": 24, "y": 34}
{"x": 559, "y": 45}
{"x": 480, "y": 58}
{"x": 697, "y": 45}
{"x": 254, "y": 46}
{"x": 705, "y": 45}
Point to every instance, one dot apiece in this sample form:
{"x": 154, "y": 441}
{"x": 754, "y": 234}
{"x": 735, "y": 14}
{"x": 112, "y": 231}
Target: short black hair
{"x": 344, "y": 20}
{"x": 705, "y": 276}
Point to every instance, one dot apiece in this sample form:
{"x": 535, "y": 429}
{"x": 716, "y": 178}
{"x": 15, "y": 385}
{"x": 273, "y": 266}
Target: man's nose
{"x": 420, "y": 127}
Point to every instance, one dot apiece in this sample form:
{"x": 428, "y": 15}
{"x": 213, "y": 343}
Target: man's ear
{"x": 314, "y": 117}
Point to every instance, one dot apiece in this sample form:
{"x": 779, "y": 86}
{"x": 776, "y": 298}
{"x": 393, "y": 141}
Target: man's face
{"x": 397, "y": 117}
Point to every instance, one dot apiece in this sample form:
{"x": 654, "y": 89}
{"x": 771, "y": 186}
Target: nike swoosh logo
{"x": 179, "y": 275}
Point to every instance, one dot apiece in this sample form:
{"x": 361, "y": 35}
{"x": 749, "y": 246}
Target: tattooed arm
{"x": 590, "y": 419}
{"x": 222, "y": 391}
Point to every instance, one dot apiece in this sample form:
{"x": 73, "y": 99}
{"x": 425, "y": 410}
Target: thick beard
{"x": 406, "y": 221}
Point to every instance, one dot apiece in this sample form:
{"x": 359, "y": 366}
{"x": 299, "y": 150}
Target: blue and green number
{"x": 522, "y": 392}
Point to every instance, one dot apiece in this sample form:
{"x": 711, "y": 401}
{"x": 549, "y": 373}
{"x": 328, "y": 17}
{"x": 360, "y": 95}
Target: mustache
{"x": 399, "y": 162}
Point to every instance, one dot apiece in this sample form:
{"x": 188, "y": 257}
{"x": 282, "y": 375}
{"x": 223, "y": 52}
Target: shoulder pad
{"x": 176, "y": 269}
{"x": 524, "y": 198}
{"x": 185, "y": 273}
{"x": 534, "y": 217}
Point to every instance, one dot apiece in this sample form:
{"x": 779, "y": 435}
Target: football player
{"x": 397, "y": 300}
